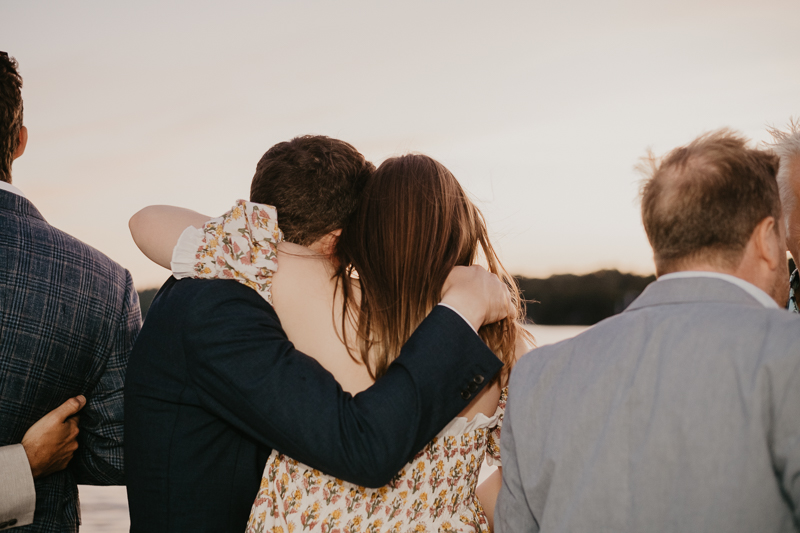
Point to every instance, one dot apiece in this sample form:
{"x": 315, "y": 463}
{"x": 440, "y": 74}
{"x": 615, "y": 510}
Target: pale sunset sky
{"x": 540, "y": 109}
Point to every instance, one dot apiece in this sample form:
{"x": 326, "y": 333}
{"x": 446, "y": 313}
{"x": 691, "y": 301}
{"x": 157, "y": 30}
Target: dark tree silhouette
{"x": 567, "y": 299}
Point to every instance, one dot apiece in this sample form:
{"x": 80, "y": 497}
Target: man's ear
{"x": 23, "y": 142}
{"x": 328, "y": 242}
{"x": 768, "y": 243}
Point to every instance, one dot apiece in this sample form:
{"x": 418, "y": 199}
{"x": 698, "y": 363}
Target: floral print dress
{"x": 435, "y": 492}
{"x": 242, "y": 245}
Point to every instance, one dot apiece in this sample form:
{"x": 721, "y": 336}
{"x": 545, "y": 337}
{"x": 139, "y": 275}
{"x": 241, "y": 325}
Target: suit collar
{"x": 692, "y": 290}
{"x": 762, "y": 297}
{"x": 18, "y": 204}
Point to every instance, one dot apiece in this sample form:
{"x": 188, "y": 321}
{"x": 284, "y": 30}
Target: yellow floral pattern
{"x": 241, "y": 245}
{"x": 434, "y": 493}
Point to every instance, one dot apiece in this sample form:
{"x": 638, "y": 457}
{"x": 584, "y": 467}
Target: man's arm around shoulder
{"x": 248, "y": 373}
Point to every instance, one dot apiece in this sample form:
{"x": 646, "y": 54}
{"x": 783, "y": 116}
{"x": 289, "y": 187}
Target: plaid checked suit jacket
{"x": 68, "y": 319}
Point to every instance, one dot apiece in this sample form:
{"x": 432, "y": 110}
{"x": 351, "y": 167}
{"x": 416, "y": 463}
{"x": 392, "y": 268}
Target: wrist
{"x": 456, "y": 311}
{"x": 31, "y": 456}
{"x": 473, "y": 314}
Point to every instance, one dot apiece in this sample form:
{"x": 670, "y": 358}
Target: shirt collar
{"x": 10, "y": 188}
{"x": 761, "y": 297}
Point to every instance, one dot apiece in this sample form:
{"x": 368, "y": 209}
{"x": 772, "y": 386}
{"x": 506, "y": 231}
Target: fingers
{"x": 72, "y": 425}
{"x": 500, "y": 303}
{"x": 69, "y": 408}
{"x": 70, "y": 440}
{"x": 478, "y": 295}
{"x": 51, "y": 442}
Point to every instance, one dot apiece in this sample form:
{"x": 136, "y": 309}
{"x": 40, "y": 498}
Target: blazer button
{"x": 478, "y": 379}
{"x": 473, "y": 387}
{"x": 465, "y": 394}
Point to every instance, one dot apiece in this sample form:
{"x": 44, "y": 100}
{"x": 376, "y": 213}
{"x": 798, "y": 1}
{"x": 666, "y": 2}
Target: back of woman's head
{"x": 414, "y": 224}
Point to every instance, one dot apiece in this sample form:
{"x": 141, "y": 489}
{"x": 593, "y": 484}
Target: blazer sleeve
{"x": 17, "y": 492}
{"x": 99, "y": 458}
{"x": 248, "y": 373}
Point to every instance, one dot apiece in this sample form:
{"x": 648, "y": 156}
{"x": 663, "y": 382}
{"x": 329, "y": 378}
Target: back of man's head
{"x": 702, "y": 202}
{"x": 10, "y": 113}
{"x": 314, "y": 182}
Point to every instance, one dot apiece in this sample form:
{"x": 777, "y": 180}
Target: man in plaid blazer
{"x": 68, "y": 319}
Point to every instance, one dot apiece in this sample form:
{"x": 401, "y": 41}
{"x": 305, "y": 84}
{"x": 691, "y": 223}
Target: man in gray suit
{"x": 683, "y": 412}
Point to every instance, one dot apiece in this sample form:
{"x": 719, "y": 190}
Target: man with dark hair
{"x": 68, "y": 319}
{"x": 683, "y": 412}
{"x": 315, "y": 180}
{"x": 214, "y": 384}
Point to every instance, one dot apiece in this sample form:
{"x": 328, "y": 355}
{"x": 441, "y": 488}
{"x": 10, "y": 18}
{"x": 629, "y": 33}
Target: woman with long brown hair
{"x": 352, "y": 311}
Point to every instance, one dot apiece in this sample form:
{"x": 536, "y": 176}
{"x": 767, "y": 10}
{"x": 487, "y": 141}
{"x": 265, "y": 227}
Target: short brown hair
{"x": 702, "y": 201}
{"x": 314, "y": 182}
{"x": 10, "y": 113}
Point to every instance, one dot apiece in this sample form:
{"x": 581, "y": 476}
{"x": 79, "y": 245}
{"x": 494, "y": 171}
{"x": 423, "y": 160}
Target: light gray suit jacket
{"x": 17, "y": 493}
{"x": 680, "y": 414}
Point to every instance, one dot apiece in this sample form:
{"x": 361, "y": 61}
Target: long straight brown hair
{"x": 414, "y": 224}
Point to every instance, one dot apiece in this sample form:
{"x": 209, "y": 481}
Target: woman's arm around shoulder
{"x": 157, "y": 228}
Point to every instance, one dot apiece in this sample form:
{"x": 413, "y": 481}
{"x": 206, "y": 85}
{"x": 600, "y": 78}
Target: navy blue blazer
{"x": 214, "y": 384}
{"x": 68, "y": 319}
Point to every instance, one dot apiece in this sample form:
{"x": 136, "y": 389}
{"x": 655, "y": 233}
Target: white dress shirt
{"x": 762, "y": 297}
{"x": 10, "y": 188}
{"x": 18, "y": 494}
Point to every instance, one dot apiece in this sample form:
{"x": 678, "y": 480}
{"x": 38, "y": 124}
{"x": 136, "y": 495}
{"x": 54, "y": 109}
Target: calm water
{"x": 105, "y": 509}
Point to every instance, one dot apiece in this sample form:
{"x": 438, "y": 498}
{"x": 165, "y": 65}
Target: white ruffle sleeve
{"x": 241, "y": 245}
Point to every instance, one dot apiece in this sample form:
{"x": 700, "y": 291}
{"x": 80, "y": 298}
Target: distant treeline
{"x": 564, "y": 299}
{"x": 567, "y": 299}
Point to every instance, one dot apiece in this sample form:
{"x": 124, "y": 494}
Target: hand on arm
{"x": 51, "y": 442}
{"x": 478, "y": 295}
{"x": 156, "y": 229}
